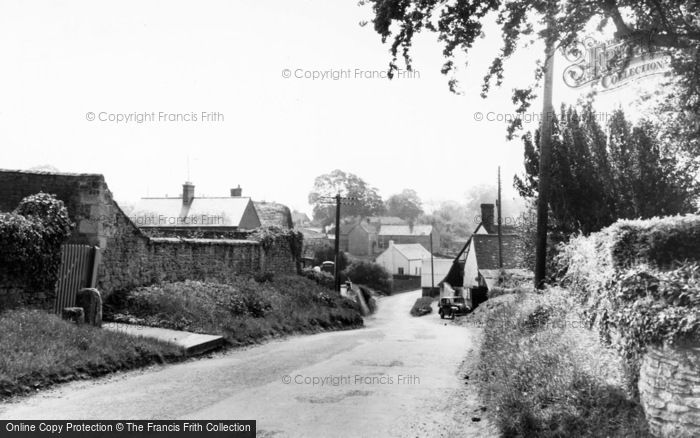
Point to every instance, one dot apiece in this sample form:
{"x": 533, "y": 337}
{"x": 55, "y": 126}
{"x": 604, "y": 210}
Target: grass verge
{"x": 244, "y": 311}
{"x": 542, "y": 374}
{"x": 40, "y": 349}
{"x": 422, "y": 306}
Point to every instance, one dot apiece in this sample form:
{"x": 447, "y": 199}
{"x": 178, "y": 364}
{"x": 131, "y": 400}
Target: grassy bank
{"x": 40, "y": 349}
{"x": 542, "y": 374}
{"x": 244, "y": 311}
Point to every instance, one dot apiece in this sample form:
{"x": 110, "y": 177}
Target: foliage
{"x": 366, "y": 202}
{"x": 597, "y": 179}
{"x": 31, "y": 238}
{"x": 327, "y": 254}
{"x": 269, "y": 236}
{"x": 540, "y": 375}
{"x": 244, "y": 311}
{"x": 406, "y": 205}
{"x": 322, "y": 278}
{"x": 636, "y": 299}
{"x": 40, "y": 349}
{"x": 422, "y": 306}
{"x": 369, "y": 274}
{"x": 652, "y": 24}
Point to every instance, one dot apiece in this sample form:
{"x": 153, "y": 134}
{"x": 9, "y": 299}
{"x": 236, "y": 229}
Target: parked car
{"x": 453, "y": 306}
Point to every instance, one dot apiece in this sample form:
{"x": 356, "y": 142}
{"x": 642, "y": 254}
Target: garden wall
{"x": 129, "y": 257}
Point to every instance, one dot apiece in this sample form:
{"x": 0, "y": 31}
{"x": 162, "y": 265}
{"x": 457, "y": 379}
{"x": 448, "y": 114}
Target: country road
{"x": 398, "y": 376}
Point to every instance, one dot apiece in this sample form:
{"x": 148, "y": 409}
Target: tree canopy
{"x": 366, "y": 202}
{"x": 599, "y": 177}
{"x": 669, "y": 25}
{"x": 406, "y": 205}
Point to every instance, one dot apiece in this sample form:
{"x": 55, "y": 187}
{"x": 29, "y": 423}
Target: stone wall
{"x": 669, "y": 389}
{"x": 129, "y": 258}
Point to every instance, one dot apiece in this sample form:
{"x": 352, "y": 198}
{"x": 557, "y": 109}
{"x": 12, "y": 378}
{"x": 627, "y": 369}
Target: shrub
{"x": 632, "y": 287}
{"x": 542, "y": 378}
{"x": 422, "y": 306}
{"x": 31, "y": 239}
{"x": 327, "y": 254}
{"x": 322, "y": 278}
{"x": 370, "y": 274}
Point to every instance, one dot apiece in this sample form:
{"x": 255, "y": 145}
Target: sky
{"x": 74, "y": 71}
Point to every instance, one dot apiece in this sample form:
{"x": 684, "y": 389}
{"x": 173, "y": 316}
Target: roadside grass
{"x": 422, "y": 306}
{"x": 244, "y": 311}
{"x": 541, "y": 374}
{"x": 40, "y": 349}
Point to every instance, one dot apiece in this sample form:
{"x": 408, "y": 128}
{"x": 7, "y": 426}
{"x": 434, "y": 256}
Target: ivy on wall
{"x": 268, "y": 236}
{"x": 30, "y": 240}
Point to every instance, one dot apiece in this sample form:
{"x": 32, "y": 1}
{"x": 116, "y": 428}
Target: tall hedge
{"x": 30, "y": 240}
{"x": 638, "y": 283}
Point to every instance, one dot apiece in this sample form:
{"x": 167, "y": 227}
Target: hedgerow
{"x": 638, "y": 283}
{"x": 31, "y": 237}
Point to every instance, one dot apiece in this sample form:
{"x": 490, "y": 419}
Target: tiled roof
{"x": 486, "y": 250}
{"x": 405, "y": 230}
{"x": 412, "y": 251}
{"x": 212, "y": 212}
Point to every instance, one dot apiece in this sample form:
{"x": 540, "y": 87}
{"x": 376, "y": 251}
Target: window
{"x": 417, "y": 270}
{"x": 400, "y": 271}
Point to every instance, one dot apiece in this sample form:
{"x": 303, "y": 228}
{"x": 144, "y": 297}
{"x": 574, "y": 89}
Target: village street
{"x": 399, "y": 376}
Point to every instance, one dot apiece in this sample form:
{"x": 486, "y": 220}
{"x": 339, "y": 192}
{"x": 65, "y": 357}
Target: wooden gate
{"x": 78, "y": 270}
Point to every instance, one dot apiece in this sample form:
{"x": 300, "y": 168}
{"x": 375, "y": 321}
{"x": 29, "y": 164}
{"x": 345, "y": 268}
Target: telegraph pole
{"x": 500, "y": 221}
{"x": 545, "y": 158}
{"x": 337, "y": 199}
{"x": 432, "y": 266}
{"x": 336, "y": 272}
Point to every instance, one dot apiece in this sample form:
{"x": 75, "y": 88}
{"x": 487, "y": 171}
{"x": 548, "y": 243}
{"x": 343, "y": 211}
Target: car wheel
{"x": 442, "y": 315}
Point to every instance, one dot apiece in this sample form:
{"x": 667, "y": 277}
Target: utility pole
{"x": 337, "y": 199}
{"x": 545, "y": 158}
{"x": 500, "y": 220}
{"x": 432, "y": 266}
{"x": 336, "y": 272}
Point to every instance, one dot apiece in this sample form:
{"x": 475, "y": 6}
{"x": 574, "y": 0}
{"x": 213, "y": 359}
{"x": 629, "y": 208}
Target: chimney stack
{"x": 187, "y": 193}
{"x": 487, "y": 217}
{"x": 237, "y": 192}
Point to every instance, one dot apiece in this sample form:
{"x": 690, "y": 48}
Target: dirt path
{"x": 399, "y": 376}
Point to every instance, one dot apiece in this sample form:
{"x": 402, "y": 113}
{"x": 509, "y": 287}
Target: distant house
{"x": 360, "y": 238}
{"x": 300, "y": 219}
{"x": 403, "y": 259}
{"x": 477, "y": 267}
{"x": 187, "y": 213}
{"x": 403, "y": 234}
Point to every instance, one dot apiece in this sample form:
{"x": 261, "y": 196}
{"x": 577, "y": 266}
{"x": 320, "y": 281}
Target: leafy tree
{"x": 369, "y": 274}
{"x": 597, "y": 180}
{"x": 367, "y": 200}
{"x": 327, "y": 254}
{"x": 406, "y": 205}
{"x": 658, "y": 24}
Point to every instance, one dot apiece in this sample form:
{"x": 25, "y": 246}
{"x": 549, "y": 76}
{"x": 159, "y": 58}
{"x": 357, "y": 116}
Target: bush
{"x": 422, "y": 306}
{"x": 322, "y": 278}
{"x": 541, "y": 377}
{"x": 31, "y": 239}
{"x": 371, "y": 275}
{"x": 244, "y": 311}
{"x": 632, "y": 287}
{"x": 327, "y": 254}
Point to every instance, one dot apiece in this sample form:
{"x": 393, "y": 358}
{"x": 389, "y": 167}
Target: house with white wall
{"x": 403, "y": 259}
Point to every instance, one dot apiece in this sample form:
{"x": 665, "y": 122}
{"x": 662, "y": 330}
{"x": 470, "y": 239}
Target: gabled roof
{"x": 274, "y": 214}
{"x": 412, "y": 251}
{"x": 405, "y": 230}
{"x": 485, "y": 246}
{"x": 207, "y": 212}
